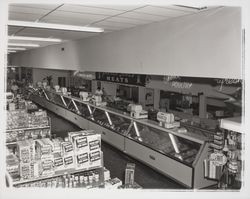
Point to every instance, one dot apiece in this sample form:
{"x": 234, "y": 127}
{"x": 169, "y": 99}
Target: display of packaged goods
{"x": 43, "y": 157}
{"x": 56, "y": 147}
{"x": 95, "y": 142}
{"x": 37, "y": 120}
{"x": 129, "y": 174}
{"x": 82, "y": 160}
{"x": 69, "y": 161}
{"x": 35, "y": 168}
{"x": 75, "y": 133}
{"x": 95, "y": 159}
{"x": 41, "y": 113}
{"x": 17, "y": 119}
{"x": 46, "y": 166}
{"x": 44, "y": 147}
{"x": 106, "y": 174}
{"x": 45, "y": 133}
{"x": 17, "y": 135}
{"x": 12, "y": 164}
{"x": 26, "y": 150}
{"x": 85, "y": 141}
{"x": 80, "y": 143}
{"x": 58, "y": 162}
{"x": 113, "y": 183}
{"x": 86, "y": 179}
{"x": 12, "y": 106}
{"x": 21, "y": 119}
{"x": 25, "y": 171}
{"x": 67, "y": 148}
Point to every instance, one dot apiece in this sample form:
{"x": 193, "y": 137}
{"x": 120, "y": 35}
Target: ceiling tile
{"x": 161, "y": 11}
{"x": 39, "y": 6}
{"x": 128, "y": 20}
{"x": 24, "y": 16}
{"x": 89, "y": 10}
{"x": 114, "y": 24}
{"x": 20, "y": 9}
{"x": 178, "y": 8}
{"x": 13, "y": 29}
{"x": 143, "y": 16}
{"x": 72, "y": 18}
{"x": 122, "y": 7}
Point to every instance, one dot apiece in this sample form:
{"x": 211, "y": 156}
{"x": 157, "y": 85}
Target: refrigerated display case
{"x": 234, "y": 147}
{"x": 177, "y": 155}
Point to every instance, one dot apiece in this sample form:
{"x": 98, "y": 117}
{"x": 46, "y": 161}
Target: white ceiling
{"x": 109, "y": 17}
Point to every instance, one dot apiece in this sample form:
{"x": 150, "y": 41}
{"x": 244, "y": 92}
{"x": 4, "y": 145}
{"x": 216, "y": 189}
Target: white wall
{"x": 207, "y": 44}
{"x": 39, "y": 74}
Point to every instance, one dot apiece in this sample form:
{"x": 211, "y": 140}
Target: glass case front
{"x": 48, "y": 95}
{"x": 58, "y": 100}
{"x": 83, "y": 109}
{"x": 179, "y": 148}
{"x": 120, "y": 124}
{"x": 100, "y": 117}
{"x": 67, "y": 100}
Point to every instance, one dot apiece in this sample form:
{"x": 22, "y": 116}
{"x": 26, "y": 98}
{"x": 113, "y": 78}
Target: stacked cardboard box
{"x": 45, "y": 156}
{"x": 68, "y": 155}
{"x": 58, "y": 162}
{"x": 87, "y": 148}
{"x": 26, "y": 155}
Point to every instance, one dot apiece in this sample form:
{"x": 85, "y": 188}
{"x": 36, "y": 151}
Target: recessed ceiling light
{"x": 34, "y": 39}
{"x": 16, "y": 48}
{"x": 54, "y": 26}
{"x": 23, "y": 44}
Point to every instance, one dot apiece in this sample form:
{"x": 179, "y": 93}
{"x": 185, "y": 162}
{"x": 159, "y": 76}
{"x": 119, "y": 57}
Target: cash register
{"x": 167, "y": 120}
{"x": 84, "y": 96}
{"x": 137, "y": 112}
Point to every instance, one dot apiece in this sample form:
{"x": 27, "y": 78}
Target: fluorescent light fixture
{"x": 10, "y": 48}
{"x": 11, "y": 51}
{"x": 192, "y": 7}
{"x": 34, "y": 39}
{"x": 54, "y": 26}
{"x": 22, "y": 44}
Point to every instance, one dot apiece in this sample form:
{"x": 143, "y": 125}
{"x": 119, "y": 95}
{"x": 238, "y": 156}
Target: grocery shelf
{"x": 11, "y": 182}
{"x": 28, "y": 128}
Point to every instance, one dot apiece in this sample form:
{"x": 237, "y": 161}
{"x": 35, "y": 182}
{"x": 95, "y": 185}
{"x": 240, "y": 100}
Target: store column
{"x": 202, "y": 105}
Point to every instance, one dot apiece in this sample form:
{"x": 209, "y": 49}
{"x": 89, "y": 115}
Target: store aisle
{"x": 116, "y": 161}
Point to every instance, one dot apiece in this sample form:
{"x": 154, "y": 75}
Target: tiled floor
{"x": 116, "y": 161}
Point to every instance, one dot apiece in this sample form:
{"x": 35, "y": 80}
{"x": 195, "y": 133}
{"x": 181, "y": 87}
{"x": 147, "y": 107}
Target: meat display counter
{"x": 176, "y": 155}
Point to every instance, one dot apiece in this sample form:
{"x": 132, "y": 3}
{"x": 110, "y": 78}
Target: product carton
{"x": 82, "y": 160}
{"x": 12, "y": 106}
{"x": 44, "y": 147}
{"x": 113, "y": 183}
{"x": 56, "y": 147}
{"x": 69, "y": 161}
{"x": 95, "y": 159}
{"x": 12, "y": 164}
{"x": 80, "y": 143}
{"x": 26, "y": 151}
{"x": 129, "y": 174}
{"x": 25, "y": 171}
{"x": 67, "y": 148}
{"x": 58, "y": 162}
{"x": 46, "y": 167}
